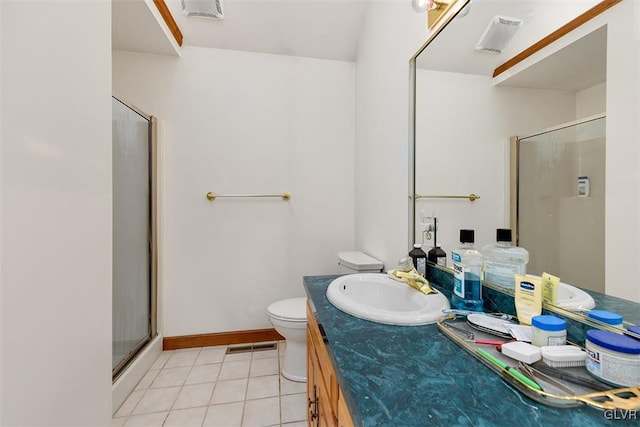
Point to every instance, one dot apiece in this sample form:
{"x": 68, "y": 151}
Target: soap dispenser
{"x": 419, "y": 258}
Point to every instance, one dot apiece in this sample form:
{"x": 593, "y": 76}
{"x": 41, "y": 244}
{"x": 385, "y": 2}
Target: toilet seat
{"x": 290, "y": 310}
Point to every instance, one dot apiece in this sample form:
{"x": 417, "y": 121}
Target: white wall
{"x": 234, "y": 123}
{"x": 391, "y": 34}
{"x": 591, "y": 101}
{"x": 462, "y": 135}
{"x": 56, "y": 213}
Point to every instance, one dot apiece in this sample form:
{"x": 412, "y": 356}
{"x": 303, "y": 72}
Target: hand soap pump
{"x": 467, "y": 268}
{"x": 436, "y": 255}
{"x": 419, "y": 258}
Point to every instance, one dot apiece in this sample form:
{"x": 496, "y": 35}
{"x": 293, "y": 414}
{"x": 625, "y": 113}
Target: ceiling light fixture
{"x": 435, "y": 9}
{"x": 498, "y": 33}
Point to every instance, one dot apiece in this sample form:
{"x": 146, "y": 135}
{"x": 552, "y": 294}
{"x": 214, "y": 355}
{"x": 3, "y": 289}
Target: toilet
{"x": 289, "y": 316}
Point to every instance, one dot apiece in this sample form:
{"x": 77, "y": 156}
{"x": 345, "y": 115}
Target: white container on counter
{"x": 608, "y": 317}
{"x": 613, "y": 358}
{"x": 548, "y": 330}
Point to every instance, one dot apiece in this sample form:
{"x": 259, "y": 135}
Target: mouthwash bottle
{"x": 502, "y": 260}
{"x": 467, "y": 269}
{"x": 419, "y": 258}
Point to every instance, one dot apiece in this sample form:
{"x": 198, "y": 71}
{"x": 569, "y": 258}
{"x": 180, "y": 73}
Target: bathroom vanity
{"x": 369, "y": 374}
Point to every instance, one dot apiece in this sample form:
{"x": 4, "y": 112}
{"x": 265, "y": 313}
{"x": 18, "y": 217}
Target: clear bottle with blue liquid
{"x": 467, "y": 271}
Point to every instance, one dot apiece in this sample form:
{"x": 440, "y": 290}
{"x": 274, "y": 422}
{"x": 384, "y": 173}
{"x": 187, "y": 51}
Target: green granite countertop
{"x": 415, "y": 376}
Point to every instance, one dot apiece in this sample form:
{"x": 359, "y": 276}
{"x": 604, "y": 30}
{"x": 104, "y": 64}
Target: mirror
{"x": 468, "y": 104}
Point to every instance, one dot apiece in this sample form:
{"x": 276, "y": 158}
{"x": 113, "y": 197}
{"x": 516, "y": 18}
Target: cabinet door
{"x": 322, "y": 385}
{"x": 326, "y": 416}
{"x": 344, "y": 419}
{"x": 312, "y": 389}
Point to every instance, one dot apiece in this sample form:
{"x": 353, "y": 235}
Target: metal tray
{"x": 555, "y": 391}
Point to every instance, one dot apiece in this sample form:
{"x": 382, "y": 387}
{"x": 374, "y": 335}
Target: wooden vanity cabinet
{"x": 326, "y": 406}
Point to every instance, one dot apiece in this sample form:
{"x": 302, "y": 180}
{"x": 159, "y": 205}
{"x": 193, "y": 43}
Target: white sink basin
{"x": 572, "y": 298}
{"x": 376, "y": 297}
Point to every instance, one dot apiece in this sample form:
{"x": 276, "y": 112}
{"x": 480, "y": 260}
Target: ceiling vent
{"x": 498, "y": 33}
{"x": 202, "y": 8}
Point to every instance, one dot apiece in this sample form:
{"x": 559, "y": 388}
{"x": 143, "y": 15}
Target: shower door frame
{"x": 514, "y": 168}
{"x": 153, "y": 236}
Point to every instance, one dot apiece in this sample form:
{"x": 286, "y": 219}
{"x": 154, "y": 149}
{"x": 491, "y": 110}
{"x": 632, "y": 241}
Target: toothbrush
{"x": 514, "y": 373}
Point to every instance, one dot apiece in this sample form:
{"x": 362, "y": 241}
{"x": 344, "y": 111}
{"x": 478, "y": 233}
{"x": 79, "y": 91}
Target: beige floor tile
{"x": 291, "y": 387}
{"x": 170, "y": 377}
{"x": 233, "y": 370}
{"x": 234, "y": 357}
{"x": 195, "y": 395}
{"x": 192, "y": 417}
{"x": 293, "y": 407}
{"x": 146, "y": 420}
{"x": 182, "y": 358}
{"x": 261, "y": 387}
{"x": 161, "y": 359}
{"x": 211, "y": 355}
{"x": 188, "y": 349}
{"x": 203, "y": 373}
{"x": 229, "y": 391}
{"x": 261, "y": 412}
{"x": 148, "y": 378}
{"x": 225, "y": 415}
{"x": 296, "y": 424}
{"x": 157, "y": 400}
{"x": 264, "y": 367}
{"x": 129, "y": 404}
{"x": 265, "y": 354}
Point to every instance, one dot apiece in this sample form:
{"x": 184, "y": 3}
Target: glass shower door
{"x": 132, "y": 256}
{"x": 561, "y": 202}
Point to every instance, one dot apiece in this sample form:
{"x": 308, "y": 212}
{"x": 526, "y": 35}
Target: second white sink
{"x": 572, "y": 298}
{"x": 376, "y": 297}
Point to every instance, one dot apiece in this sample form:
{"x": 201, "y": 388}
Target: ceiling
{"x": 136, "y": 25}
{"x": 325, "y": 29}
{"x": 453, "y": 50}
{"x": 580, "y": 65}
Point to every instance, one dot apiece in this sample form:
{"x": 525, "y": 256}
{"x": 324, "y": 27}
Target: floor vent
{"x": 252, "y": 347}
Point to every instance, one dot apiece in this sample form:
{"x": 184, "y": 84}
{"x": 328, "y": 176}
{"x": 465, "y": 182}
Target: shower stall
{"x": 559, "y": 204}
{"x": 134, "y": 233}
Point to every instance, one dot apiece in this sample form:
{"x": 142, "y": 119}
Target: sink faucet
{"x": 411, "y": 277}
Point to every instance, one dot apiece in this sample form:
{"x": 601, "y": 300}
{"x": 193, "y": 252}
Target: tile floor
{"x": 206, "y": 387}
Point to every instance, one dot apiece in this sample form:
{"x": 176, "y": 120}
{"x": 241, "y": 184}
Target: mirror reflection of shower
{"x": 561, "y": 201}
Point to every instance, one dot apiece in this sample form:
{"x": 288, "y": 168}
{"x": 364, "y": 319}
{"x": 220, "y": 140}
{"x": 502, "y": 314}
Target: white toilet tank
{"x": 358, "y": 262}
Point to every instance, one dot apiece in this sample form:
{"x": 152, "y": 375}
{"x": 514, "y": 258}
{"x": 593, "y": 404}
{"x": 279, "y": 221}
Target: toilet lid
{"x": 292, "y": 309}
{"x": 359, "y": 261}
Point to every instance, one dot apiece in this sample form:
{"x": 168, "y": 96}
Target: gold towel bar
{"x": 212, "y": 196}
{"x": 471, "y": 197}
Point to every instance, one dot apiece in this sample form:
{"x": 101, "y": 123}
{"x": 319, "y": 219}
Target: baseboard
{"x": 220, "y": 338}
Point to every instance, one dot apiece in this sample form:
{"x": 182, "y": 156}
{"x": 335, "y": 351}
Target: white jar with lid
{"x": 608, "y": 317}
{"x": 548, "y": 330}
{"x": 613, "y": 358}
